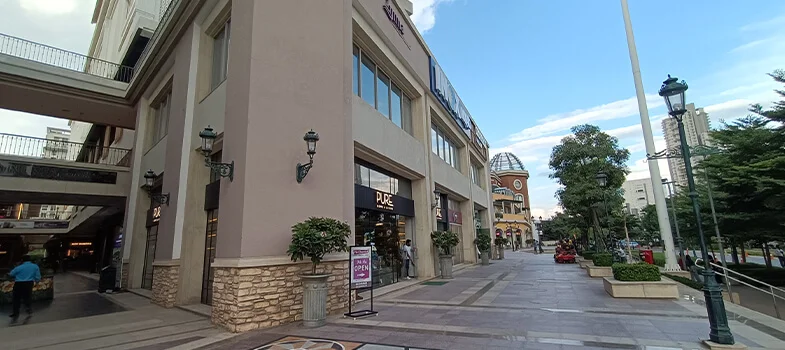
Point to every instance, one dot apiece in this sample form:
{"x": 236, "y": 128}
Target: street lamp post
{"x": 673, "y": 92}
{"x": 679, "y": 240}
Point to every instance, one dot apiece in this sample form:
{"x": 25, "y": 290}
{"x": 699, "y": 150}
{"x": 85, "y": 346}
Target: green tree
{"x": 650, "y": 224}
{"x": 575, "y": 163}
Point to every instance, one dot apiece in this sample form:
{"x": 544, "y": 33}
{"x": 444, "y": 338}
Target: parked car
{"x": 633, "y": 244}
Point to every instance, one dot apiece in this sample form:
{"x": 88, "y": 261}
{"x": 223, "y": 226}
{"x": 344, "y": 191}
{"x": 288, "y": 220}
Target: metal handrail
{"x": 49, "y": 55}
{"x": 41, "y": 148}
{"x": 770, "y": 291}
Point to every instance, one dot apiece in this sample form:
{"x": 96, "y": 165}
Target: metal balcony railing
{"x": 25, "y": 49}
{"x": 36, "y": 212}
{"x": 35, "y": 147}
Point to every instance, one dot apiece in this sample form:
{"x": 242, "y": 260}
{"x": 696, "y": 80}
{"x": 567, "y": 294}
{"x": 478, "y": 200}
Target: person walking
{"x": 25, "y": 276}
{"x": 780, "y": 255}
{"x": 407, "y": 256}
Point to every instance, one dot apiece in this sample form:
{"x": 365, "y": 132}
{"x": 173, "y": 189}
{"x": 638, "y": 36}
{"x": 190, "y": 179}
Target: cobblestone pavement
{"x": 523, "y": 302}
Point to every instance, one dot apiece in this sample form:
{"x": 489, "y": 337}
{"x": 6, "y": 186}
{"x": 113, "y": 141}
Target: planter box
{"x": 599, "y": 271}
{"x": 665, "y": 289}
{"x": 585, "y": 263}
{"x": 736, "y": 298}
{"x": 685, "y": 274}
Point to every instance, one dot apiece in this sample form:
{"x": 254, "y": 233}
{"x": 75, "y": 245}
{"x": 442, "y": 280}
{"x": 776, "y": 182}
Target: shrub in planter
{"x": 685, "y": 281}
{"x": 635, "y": 272}
{"x": 483, "y": 243}
{"x": 313, "y": 238}
{"x": 588, "y": 254}
{"x": 602, "y": 259}
{"x": 500, "y": 243}
{"x": 445, "y": 241}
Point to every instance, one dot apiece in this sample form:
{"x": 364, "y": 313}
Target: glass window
{"x": 367, "y": 81}
{"x": 379, "y": 181}
{"x": 383, "y": 94}
{"x": 220, "y": 56}
{"x": 395, "y": 107}
{"x": 406, "y": 113}
{"x": 440, "y": 144}
{"x": 355, "y": 68}
{"x": 448, "y": 150}
{"x": 476, "y": 175}
{"x": 434, "y": 141}
{"x": 161, "y": 116}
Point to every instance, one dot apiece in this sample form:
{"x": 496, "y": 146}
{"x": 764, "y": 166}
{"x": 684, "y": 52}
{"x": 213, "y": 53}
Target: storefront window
{"x": 381, "y": 182}
{"x": 387, "y": 233}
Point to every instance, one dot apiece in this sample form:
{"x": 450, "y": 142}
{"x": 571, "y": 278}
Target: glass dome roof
{"x": 506, "y": 161}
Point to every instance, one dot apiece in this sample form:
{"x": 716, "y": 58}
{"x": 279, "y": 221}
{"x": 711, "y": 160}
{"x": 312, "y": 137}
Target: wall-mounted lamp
{"x": 208, "y": 137}
{"x": 149, "y": 181}
{"x": 436, "y": 196}
{"x": 310, "y": 138}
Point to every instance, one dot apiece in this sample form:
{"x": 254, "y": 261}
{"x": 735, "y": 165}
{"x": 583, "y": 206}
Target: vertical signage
{"x": 393, "y": 17}
{"x": 448, "y": 97}
{"x": 360, "y": 267}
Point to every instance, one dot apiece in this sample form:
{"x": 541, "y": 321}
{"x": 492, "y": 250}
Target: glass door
{"x": 149, "y": 256}
{"x": 209, "y": 257}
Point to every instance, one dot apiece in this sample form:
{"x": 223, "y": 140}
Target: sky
{"x": 528, "y": 70}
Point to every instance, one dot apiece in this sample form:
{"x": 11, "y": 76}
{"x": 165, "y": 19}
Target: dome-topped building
{"x": 506, "y": 161}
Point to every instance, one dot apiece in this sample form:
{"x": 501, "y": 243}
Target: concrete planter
{"x": 445, "y": 266}
{"x": 599, "y": 271}
{"x": 484, "y": 258}
{"x": 315, "y": 290}
{"x": 664, "y": 289}
{"x": 586, "y": 263}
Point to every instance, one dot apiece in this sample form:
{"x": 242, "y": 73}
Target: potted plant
{"x": 483, "y": 242}
{"x": 313, "y": 238}
{"x": 500, "y": 242}
{"x": 445, "y": 241}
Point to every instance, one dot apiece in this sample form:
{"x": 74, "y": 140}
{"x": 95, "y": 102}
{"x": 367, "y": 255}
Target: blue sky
{"x": 529, "y": 70}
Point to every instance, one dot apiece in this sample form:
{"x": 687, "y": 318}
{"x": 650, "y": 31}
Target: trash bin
{"x": 647, "y": 255}
{"x": 106, "y": 280}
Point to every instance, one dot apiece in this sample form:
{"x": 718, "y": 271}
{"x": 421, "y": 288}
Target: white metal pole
{"x": 671, "y": 264}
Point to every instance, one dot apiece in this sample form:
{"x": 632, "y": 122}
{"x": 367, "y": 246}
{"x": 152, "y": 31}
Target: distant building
{"x": 637, "y": 195}
{"x": 509, "y": 179}
{"x": 56, "y": 146}
{"x": 696, "y": 128}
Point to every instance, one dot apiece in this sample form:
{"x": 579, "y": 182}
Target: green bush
{"x": 602, "y": 259}
{"x": 636, "y": 272}
{"x": 315, "y": 237}
{"x": 483, "y": 242}
{"x": 685, "y": 281}
{"x": 659, "y": 262}
{"x": 445, "y": 241}
{"x": 501, "y": 241}
{"x": 774, "y": 276}
{"x": 588, "y": 254}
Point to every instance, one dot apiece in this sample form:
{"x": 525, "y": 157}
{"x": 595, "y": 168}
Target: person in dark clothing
{"x": 25, "y": 276}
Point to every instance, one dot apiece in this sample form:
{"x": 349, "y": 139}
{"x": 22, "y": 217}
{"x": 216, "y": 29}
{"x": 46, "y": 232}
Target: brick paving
{"x": 523, "y": 302}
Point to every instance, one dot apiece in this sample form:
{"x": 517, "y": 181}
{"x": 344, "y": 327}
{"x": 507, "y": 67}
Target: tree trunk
{"x": 598, "y": 240}
{"x": 734, "y": 253}
{"x": 743, "y": 254}
{"x": 766, "y": 255}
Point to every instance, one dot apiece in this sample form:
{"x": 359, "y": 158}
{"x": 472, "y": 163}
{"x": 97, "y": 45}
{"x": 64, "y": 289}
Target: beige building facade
{"x": 261, "y": 74}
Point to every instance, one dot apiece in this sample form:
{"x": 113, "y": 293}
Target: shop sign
{"x": 369, "y": 198}
{"x": 448, "y": 97}
{"x": 360, "y": 267}
{"x": 439, "y": 216}
{"x": 393, "y": 17}
{"x": 157, "y": 214}
{"x": 455, "y": 217}
{"x": 81, "y": 244}
{"x": 153, "y": 216}
{"x": 32, "y": 224}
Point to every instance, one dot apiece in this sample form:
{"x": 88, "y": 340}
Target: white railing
{"x": 772, "y": 290}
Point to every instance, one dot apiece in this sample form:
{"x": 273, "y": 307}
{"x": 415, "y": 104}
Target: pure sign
{"x": 360, "y": 265}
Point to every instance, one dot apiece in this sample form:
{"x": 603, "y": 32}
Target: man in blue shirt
{"x": 25, "y": 276}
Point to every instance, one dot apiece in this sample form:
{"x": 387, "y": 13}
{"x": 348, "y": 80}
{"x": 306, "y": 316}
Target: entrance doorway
{"x": 387, "y": 233}
{"x": 209, "y": 257}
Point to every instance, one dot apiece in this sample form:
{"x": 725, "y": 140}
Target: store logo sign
{"x": 384, "y": 201}
{"x": 393, "y": 17}
{"x": 157, "y": 214}
{"x": 439, "y": 214}
{"x": 448, "y": 97}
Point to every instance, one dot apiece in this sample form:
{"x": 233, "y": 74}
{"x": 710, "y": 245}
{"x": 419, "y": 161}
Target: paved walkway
{"x": 523, "y": 302}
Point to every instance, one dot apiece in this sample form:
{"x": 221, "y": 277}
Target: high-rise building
{"x": 696, "y": 128}
{"x": 56, "y": 146}
{"x": 637, "y": 195}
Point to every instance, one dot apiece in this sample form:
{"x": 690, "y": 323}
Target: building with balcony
{"x": 509, "y": 179}
{"x": 637, "y": 195}
{"x": 696, "y": 132}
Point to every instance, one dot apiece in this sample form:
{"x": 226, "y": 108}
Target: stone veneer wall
{"x": 248, "y": 298}
{"x": 165, "y": 285}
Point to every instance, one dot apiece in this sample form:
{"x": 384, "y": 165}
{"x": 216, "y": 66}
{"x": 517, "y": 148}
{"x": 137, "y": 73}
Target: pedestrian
{"x": 407, "y": 256}
{"x": 25, "y": 276}
{"x": 780, "y": 255}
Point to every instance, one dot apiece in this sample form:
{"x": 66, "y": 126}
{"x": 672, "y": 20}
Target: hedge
{"x": 685, "y": 281}
{"x": 588, "y": 254}
{"x": 635, "y": 272}
{"x": 602, "y": 259}
{"x": 774, "y": 276}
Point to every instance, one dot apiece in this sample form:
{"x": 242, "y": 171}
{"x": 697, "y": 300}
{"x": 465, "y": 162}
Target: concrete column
{"x": 424, "y": 222}
{"x": 290, "y": 71}
{"x": 136, "y": 206}
{"x": 468, "y": 230}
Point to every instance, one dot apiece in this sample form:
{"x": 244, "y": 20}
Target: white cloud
{"x": 546, "y": 212}
{"x": 51, "y": 7}
{"x": 564, "y": 121}
{"x": 773, "y": 22}
{"x": 424, "y": 16}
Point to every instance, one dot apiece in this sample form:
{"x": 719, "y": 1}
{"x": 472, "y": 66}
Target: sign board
{"x": 369, "y": 198}
{"x": 448, "y": 97}
{"x": 360, "y": 268}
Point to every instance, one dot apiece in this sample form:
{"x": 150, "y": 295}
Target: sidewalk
{"x": 523, "y": 302}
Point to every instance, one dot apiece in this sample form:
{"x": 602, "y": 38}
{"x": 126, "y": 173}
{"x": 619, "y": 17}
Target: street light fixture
{"x": 149, "y": 181}
{"x": 673, "y": 92}
{"x": 208, "y": 137}
{"x": 310, "y": 138}
{"x": 602, "y": 180}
